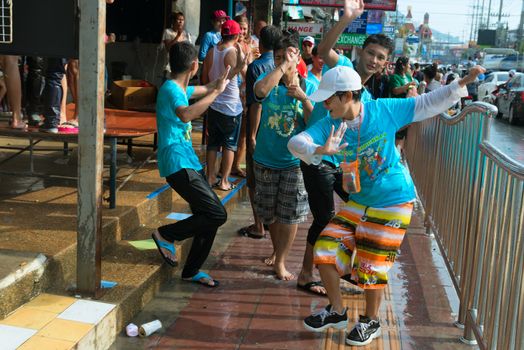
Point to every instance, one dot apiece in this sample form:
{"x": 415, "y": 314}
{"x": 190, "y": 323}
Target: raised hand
{"x": 242, "y": 60}
{"x": 472, "y": 76}
{"x": 332, "y": 145}
{"x": 296, "y": 92}
{"x": 292, "y": 55}
{"x": 353, "y": 9}
{"x": 222, "y": 82}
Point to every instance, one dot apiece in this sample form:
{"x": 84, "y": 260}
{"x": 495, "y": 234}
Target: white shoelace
{"x": 361, "y": 329}
{"x": 323, "y": 314}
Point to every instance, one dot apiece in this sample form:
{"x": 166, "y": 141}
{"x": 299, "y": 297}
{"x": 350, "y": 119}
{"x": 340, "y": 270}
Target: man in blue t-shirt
{"x": 361, "y": 242}
{"x": 323, "y": 179}
{"x": 280, "y": 196}
{"x": 213, "y": 37}
{"x": 179, "y": 164}
{"x": 269, "y": 36}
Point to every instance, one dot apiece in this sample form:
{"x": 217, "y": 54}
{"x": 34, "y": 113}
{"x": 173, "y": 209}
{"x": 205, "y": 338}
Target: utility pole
{"x": 500, "y": 11}
{"x": 520, "y": 45}
{"x": 472, "y": 21}
{"x": 482, "y": 14}
{"x": 489, "y": 14}
{"x": 475, "y": 31}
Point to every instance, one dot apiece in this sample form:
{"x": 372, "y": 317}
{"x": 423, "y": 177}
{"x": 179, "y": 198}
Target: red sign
{"x": 386, "y": 5}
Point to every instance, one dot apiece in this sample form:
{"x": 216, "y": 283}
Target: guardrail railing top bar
{"x": 490, "y": 150}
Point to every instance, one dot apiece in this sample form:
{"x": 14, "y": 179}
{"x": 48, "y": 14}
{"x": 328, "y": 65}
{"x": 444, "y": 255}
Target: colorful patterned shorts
{"x": 377, "y": 234}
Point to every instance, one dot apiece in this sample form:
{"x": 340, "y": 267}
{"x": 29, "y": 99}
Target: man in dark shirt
{"x": 269, "y": 35}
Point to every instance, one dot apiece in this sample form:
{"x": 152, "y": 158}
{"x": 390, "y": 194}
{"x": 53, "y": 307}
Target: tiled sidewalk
{"x": 253, "y": 310}
{"x": 51, "y": 322}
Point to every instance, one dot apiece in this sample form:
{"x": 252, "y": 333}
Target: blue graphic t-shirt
{"x": 384, "y": 180}
{"x": 282, "y": 118}
{"x": 175, "y": 149}
{"x": 366, "y": 96}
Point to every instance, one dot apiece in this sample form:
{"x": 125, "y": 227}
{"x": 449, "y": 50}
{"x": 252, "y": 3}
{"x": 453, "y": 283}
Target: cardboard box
{"x": 132, "y": 94}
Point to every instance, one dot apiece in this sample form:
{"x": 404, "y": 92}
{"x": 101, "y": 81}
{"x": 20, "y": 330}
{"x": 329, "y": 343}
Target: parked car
{"x": 492, "y": 81}
{"x": 512, "y": 62}
{"x": 510, "y": 99}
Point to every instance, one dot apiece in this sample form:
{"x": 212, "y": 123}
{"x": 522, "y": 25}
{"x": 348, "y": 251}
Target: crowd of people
{"x": 309, "y": 134}
{"x": 37, "y": 90}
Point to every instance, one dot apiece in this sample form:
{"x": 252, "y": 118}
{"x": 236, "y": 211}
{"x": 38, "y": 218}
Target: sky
{"x": 454, "y": 16}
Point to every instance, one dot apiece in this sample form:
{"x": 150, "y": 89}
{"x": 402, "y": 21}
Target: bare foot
{"x": 18, "y": 124}
{"x": 282, "y": 273}
{"x": 271, "y": 260}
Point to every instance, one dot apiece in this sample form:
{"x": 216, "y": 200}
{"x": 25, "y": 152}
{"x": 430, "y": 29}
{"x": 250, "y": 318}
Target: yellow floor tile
{"x": 65, "y": 330}
{"x": 29, "y": 318}
{"x": 42, "y": 343}
{"x": 52, "y": 303}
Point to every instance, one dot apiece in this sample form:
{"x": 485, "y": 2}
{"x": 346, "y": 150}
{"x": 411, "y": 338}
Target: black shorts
{"x": 223, "y": 130}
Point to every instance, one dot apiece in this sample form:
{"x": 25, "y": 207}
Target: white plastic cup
{"x": 132, "y": 330}
{"x": 147, "y": 329}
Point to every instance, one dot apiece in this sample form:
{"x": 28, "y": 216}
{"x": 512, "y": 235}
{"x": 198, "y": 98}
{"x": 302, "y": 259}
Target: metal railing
{"x": 473, "y": 196}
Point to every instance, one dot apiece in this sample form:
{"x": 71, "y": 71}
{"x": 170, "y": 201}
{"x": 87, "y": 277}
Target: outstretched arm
{"x": 439, "y": 100}
{"x": 352, "y": 9}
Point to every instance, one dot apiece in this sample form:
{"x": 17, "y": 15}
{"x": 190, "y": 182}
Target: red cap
{"x": 230, "y": 27}
{"x": 219, "y": 14}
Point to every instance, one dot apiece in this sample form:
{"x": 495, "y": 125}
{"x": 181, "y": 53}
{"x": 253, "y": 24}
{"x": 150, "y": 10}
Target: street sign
{"x": 388, "y": 29}
{"x": 386, "y": 5}
{"x": 305, "y": 29}
{"x": 374, "y": 28}
{"x": 359, "y": 24}
{"x": 412, "y": 39}
{"x": 351, "y": 39}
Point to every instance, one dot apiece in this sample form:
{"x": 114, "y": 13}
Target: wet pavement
{"x": 508, "y": 138}
{"x": 253, "y": 310}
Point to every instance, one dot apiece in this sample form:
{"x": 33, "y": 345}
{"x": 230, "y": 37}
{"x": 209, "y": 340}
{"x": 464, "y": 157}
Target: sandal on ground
{"x": 308, "y": 288}
{"x": 248, "y": 232}
{"x": 164, "y": 245}
{"x": 201, "y": 275}
{"x": 239, "y": 173}
{"x": 231, "y": 187}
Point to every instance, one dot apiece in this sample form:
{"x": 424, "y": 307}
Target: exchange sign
{"x": 386, "y": 5}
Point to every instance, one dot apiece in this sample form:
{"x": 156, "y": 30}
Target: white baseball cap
{"x": 309, "y": 39}
{"x": 340, "y": 78}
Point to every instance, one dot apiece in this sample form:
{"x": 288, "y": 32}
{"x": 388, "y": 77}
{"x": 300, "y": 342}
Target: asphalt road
{"x": 509, "y": 138}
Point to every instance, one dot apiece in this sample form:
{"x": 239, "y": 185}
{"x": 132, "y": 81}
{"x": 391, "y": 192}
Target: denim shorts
{"x": 223, "y": 130}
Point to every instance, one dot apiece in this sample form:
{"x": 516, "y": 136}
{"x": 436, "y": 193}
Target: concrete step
{"x": 47, "y": 241}
{"x": 140, "y": 273}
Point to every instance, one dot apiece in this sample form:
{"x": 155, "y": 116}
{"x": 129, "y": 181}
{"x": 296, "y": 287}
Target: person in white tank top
{"x": 225, "y": 113}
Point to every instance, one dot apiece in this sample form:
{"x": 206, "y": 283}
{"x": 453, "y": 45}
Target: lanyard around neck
{"x": 358, "y": 138}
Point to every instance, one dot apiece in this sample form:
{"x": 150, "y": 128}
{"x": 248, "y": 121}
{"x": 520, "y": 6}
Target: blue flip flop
{"x": 197, "y": 279}
{"x": 168, "y": 246}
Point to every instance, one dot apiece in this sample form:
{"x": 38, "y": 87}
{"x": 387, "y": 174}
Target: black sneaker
{"x": 364, "y": 332}
{"x": 326, "y": 318}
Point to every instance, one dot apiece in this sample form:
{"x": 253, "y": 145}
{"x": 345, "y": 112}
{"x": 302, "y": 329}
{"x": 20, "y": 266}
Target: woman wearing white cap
{"x": 361, "y": 242}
